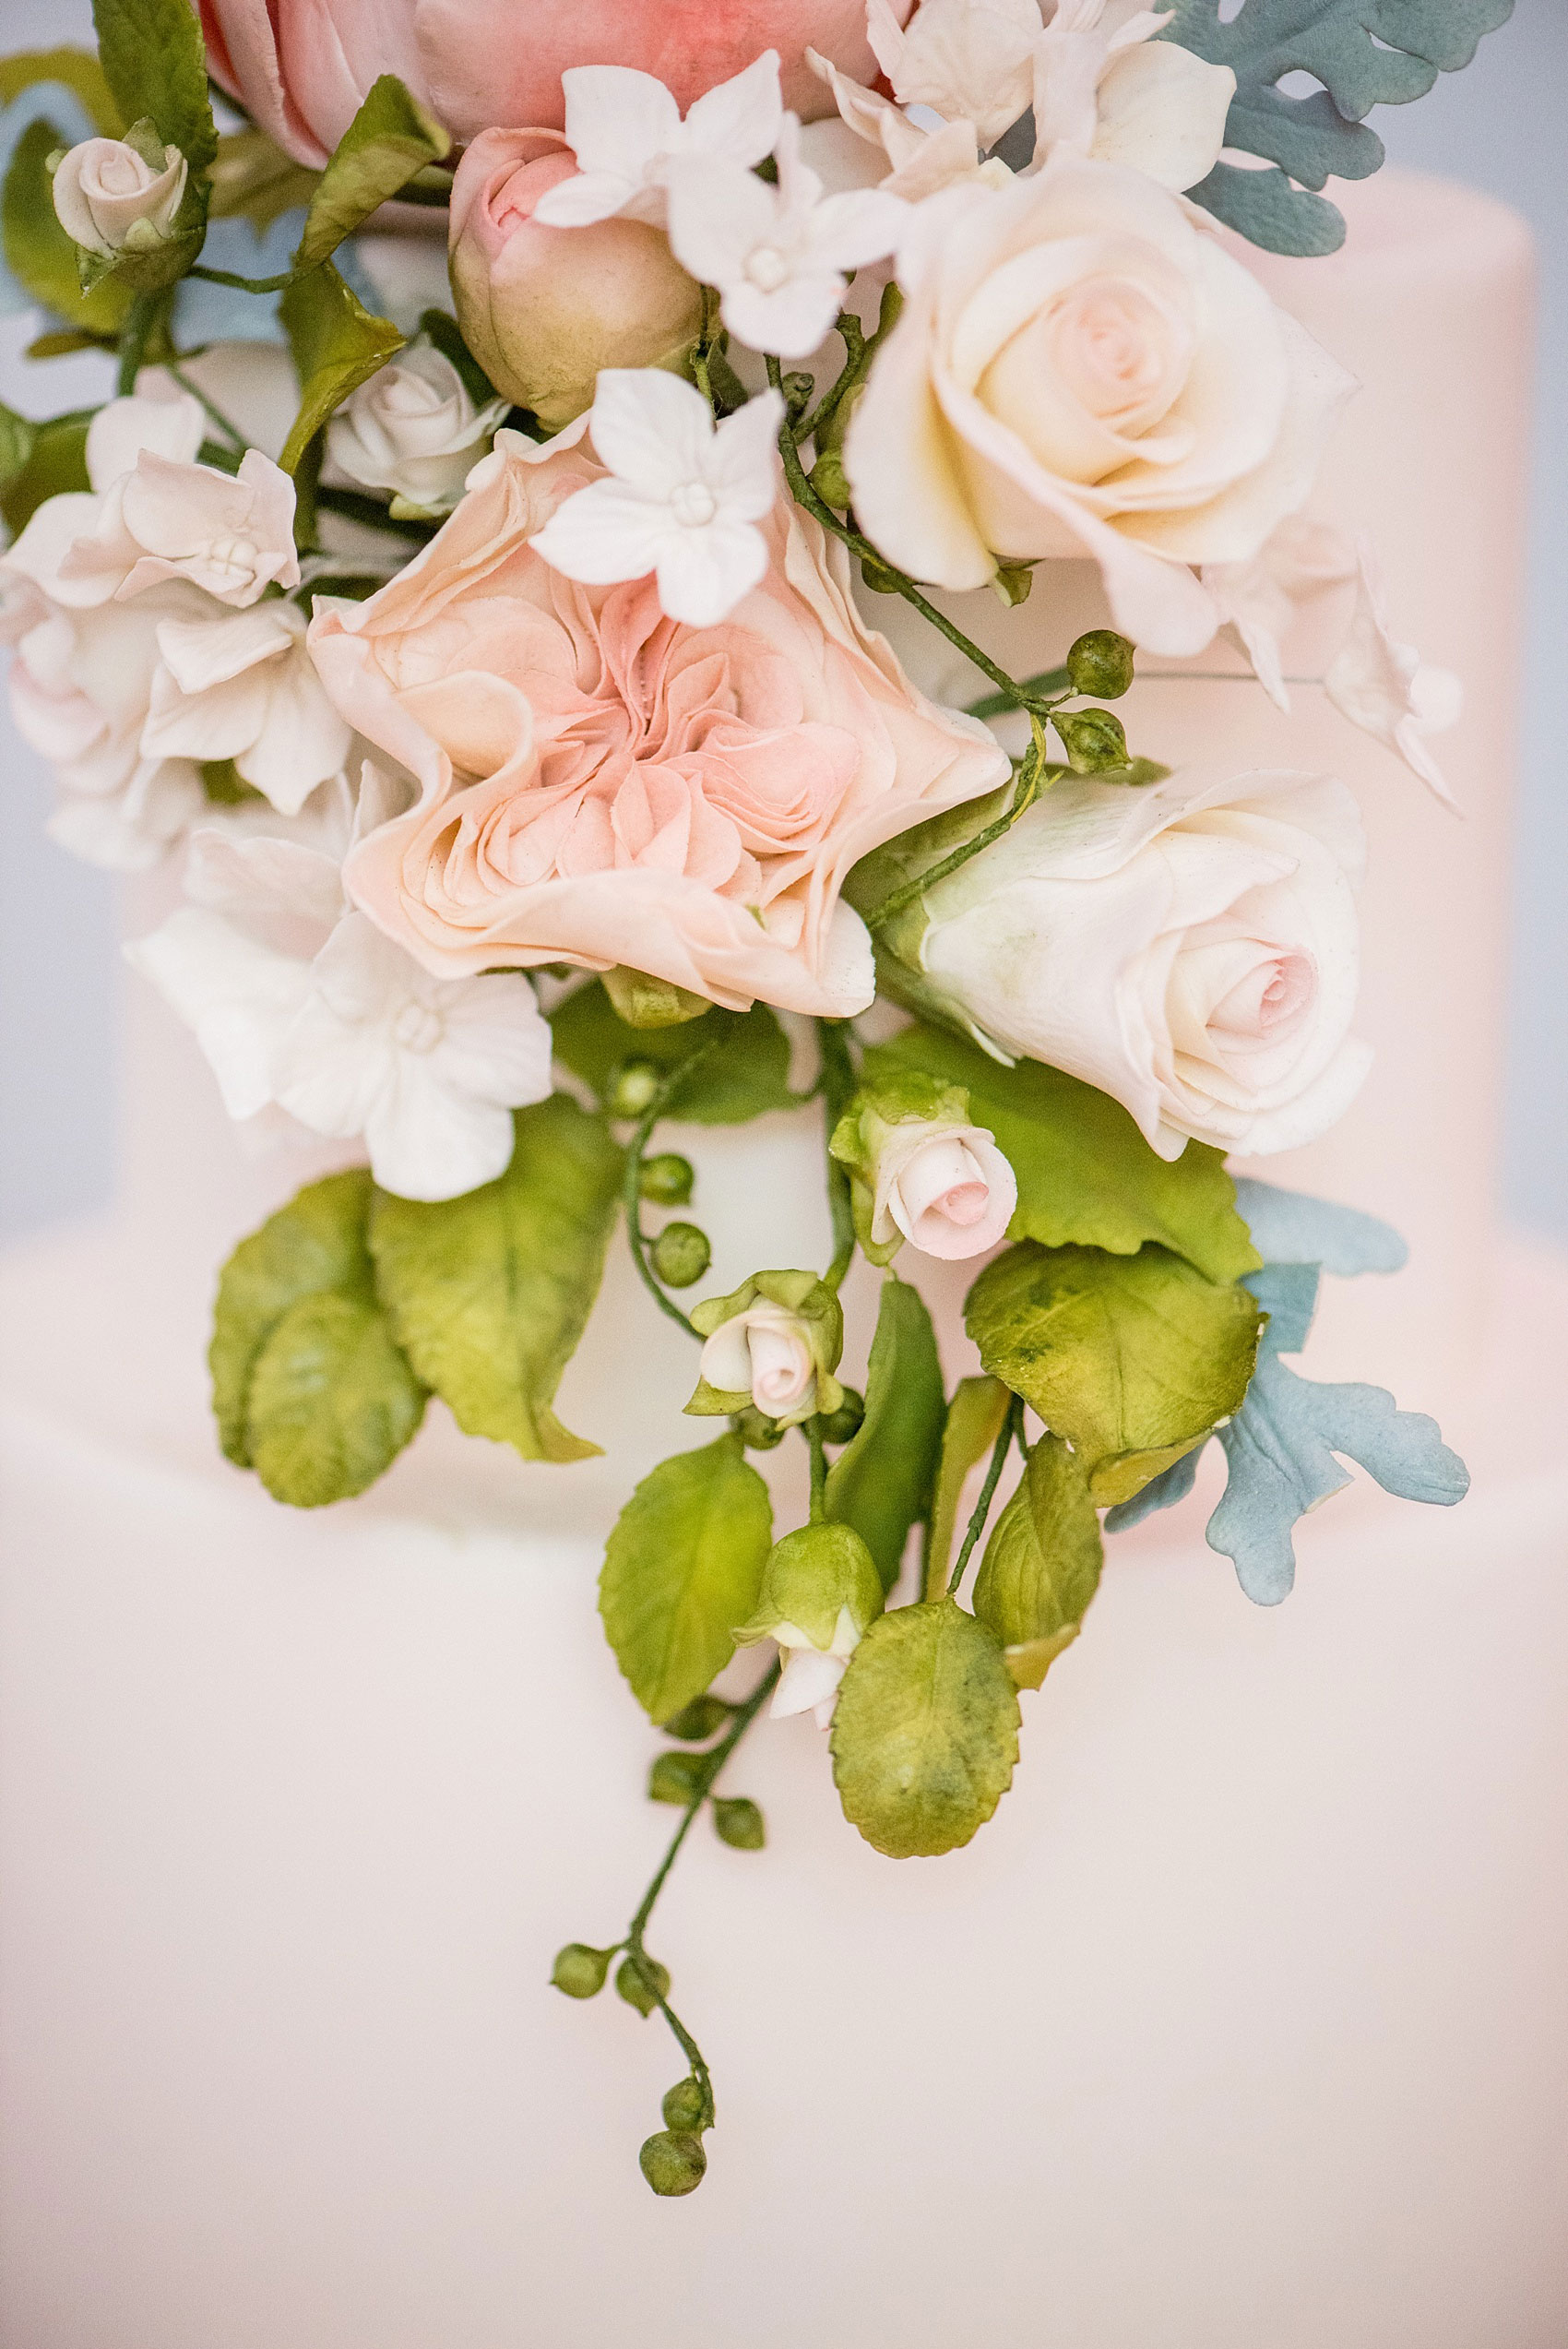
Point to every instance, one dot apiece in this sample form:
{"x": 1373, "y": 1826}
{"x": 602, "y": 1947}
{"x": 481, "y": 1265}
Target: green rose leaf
{"x": 337, "y": 345}
{"x": 925, "y": 1732}
{"x": 252, "y": 180}
{"x": 154, "y": 61}
{"x": 1133, "y": 1359}
{"x": 488, "y": 1293}
{"x": 743, "y": 1071}
{"x": 1086, "y": 1174}
{"x": 881, "y": 1480}
{"x": 76, "y": 70}
{"x": 332, "y": 1400}
{"x": 39, "y": 255}
{"x": 1042, "y": 1564}
{"x": 974, "y": 1423}
{"x": 681, "y": 1568}
{"x": 389, "y": 139}
{"x": 56, "y": 461}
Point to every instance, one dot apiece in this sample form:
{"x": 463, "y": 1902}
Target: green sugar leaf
{"x": 389, "y": 139}
{"x": 974, "y": 1423}
{"x": 252, "y": 180}
{"x": 743, "y": 1071}
{"x": 154, "y": 61}
{"x": 1042, "y": 1564}
{"x": 681, "y": 1568}
{"x": 332, "y": 1400}
{"x": 488, "y": 1293}
{"x": 1086, "y": 1174}
{"x": 76, "y": 70}
{"x": 925, "y": 1731}
{"x": 881, "y": 1480}
{"x": 39, "y": 255}
{"x": 1362, "y": 53}
{"x": 312, "y": 1247}
{"x": 337, "y": 345}
{"x": 1133, "y": 1359}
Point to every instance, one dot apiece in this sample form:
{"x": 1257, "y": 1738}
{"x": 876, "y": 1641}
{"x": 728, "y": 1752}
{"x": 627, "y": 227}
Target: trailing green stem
{"x": 1012, "y": 1426}
{"x": 812, "y": 1434}
{"x": 631, "y": 1190}
{"x": 1027, "y": 792}
{"x": 838, "y": 1085}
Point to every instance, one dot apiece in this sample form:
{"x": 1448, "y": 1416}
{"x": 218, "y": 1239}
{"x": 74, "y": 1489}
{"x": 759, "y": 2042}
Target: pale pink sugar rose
{"x": 1080, "y": 368}
{"x": 601, "y": 784}
{"x": 543, "y": 309}
{"x": 947, "y": 1189}
{"x": 303, "y": 66}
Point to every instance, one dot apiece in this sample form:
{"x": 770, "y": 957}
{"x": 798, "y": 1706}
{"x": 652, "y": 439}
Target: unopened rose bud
{"x": 1101, "y": 663}
{"x": 774, "y": 1343}
{"x": 633, "y": 1983}
{"x": 841, "y": 1426}
{"x": 739, "y": 1822}
{"x": 666, "y": 1180}
{"x": 543, "y": 309}
{"x": 579, "y": 1971}
{"x": 673, "y": 2162}
{"x": 820, "y": 1590}
{"x": 687, "y": 2108}
{"x": 1093, "y": 740}
{"x": 920, "y": 1171}
{"x": 414, "y": 429}
{"x": 632, "y": 1087}
{"x": 110, "y": 197}
{"x": 681, "y": 1255}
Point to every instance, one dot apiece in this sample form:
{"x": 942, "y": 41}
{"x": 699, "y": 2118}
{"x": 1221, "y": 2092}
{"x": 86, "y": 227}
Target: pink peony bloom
{"x": 601, "y": 784}
{"x": 303, "y": 66}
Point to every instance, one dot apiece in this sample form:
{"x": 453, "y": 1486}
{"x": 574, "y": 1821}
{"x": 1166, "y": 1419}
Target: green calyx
{"x": 801, "y": 1301}
{"x": 863, "y": 1132}
{"x": 813, "y": 1579}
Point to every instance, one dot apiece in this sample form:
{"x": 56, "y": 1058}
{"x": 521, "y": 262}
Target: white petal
{"x": 742, "y": 460}
{"x": 239, "y": 997}
{"x": 809, "y": 1679}
{"x": 703, "y": 575}
{"x": 605, "y": 533}
{"x": 718, "y": 214}
{"x": 175, "y": 426}
{"x": 742, "y": 117}
{"x": 495, "y": 1042}
{"x": 791, "y": 320}
{"x": 1162, "y": 112}
{"x": 652, "y": 429}
{"x": 429, "y": 1142}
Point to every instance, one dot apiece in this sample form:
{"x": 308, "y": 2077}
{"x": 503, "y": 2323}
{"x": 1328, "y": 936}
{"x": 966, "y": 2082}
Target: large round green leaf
{"x": 925, "y": 1732}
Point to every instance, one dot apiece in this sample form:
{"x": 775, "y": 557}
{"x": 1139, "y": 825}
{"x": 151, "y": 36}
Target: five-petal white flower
{"x": 243, "y": 685}
{"x": 777, "y": 255}
{"x": 682, "y": 500}
{"x": 625, "y": 130}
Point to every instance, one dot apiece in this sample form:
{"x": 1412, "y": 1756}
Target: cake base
{"x": 1243, "y": 2026}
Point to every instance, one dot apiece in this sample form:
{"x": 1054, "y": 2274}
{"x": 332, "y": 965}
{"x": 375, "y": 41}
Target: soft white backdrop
{"x": 1498, "y": 126}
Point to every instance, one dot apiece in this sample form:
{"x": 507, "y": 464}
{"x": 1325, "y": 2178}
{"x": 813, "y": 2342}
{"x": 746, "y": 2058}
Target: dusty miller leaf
{"x": 1133, "y": 1359}
{"x": 389, "y": 139}
{"x": 1042, "y": 1564}
{"x": 488, "y": 1293}
{"x": 1290, "y": 1227}
{"x": 925, "y": 1731}
{"x": 681, "y": 1568}
{"x": 881, "y": 1480}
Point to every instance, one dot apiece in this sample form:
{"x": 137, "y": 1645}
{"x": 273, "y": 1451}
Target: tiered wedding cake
{"x": 1243, "y": 2026}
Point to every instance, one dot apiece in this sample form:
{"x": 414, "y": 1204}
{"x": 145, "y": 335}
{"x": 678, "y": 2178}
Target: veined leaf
{"x": 76, "y": 70}
{"x": 389, "y": 139}
{"x": 332, "y": 1400}
{"x": 1086, "y": 1174}
{"x": 1042, "y": 1564}
{"x": 974, "y": 1423}
{"x": 682, "y": 1569}
{"x": 881, "y": 1480}
{"x": 743, "y": 1071}
{"x": 925, "y": 1731}
{"x": 337, "y": 345}
{"x": 488, "y": 1293}
{"x": 39, "y": 255}
{"x": 154, "y": 61}
{"x": 55, "y": 461}
{"x": 254, "y": 180}
{"x": 1133, "y": 1359}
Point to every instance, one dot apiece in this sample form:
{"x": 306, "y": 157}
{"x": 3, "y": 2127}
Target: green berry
{"x": 673, "y": 2162}
{"x": 686, "y": 2108}
{"x": 632, "y": 1984}
{"x": 838, "y": 1426}
{"x": 739, "y": 1822}
{"x": 579, "y": 1971}
{"x": 702, "y": 1719}
{"x": 756, "y": 1431}
{"x": 666, "y": 1180}
{"x": 681, "y": 1255}
{"x": 677, "y": 1778}
{"x": 1101, "y": 663}
{"x": 632, "y": 1087}
{"x": 1093, "y": 740}
{"x": 829, "y": 480}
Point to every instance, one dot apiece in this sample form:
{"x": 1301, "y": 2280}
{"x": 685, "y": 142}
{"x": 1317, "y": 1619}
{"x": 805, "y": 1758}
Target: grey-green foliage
{"x": 681, "y": 1568}
{"x": 1362, "y": 53}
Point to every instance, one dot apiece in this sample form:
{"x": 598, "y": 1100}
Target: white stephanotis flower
{"x": 298, "y": 1002}
{"x": 777, "y": 255}
{"x": 241, "y": 685}
{"x": 626, "y": 131}
{"x": 415, "y": 429}
{"x": 683, "y": 498}
{"x": 967, "y": 60}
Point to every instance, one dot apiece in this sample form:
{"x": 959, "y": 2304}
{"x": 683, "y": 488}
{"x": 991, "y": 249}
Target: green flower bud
{"x": 579, "y": 1971}
{"x": 878, "y": 578}
{"x": 702, "y": 1719}
{"x": 820, "y": 1589}
{"x": 798, "y": 388}
{"x": 738, "y": 1822}
{"x": 828, "y": 479}
{"x": 666, "y": 1180}
{"x": 673, "y": 2162}
{"x": 685, "y": 2107}
{"x": 677, "y": 1778}
{"x": 645, "y": 1002}
{"x": 632, "y": 1087}
{"x": 841, "y": 1425}
{"x": 756, "y": 1431}
{"x": 681, "y": 1255}
{"x": 1013, "y": 582}
{"x": 632, "y": 1984}
{"x": 1093, "y": 740}
{"x": 1101, "y": 663}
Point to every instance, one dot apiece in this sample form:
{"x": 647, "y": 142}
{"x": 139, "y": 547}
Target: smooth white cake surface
{"x": 1243, "y": 2026}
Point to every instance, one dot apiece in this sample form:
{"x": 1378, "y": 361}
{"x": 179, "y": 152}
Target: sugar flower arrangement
{"x": 512, "y": 697}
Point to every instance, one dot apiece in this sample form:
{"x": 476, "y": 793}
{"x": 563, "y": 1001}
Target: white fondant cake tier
{"x": 1242, "y": 2023}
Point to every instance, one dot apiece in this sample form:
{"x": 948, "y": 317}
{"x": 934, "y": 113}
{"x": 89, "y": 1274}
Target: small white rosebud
{"x": 110, "y": 200}
{"x": 774, "y": 1343}
{"x": 820, "y": 1591}
{"x": 921, "y": 1172}
{"x": 414, "y": 429}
